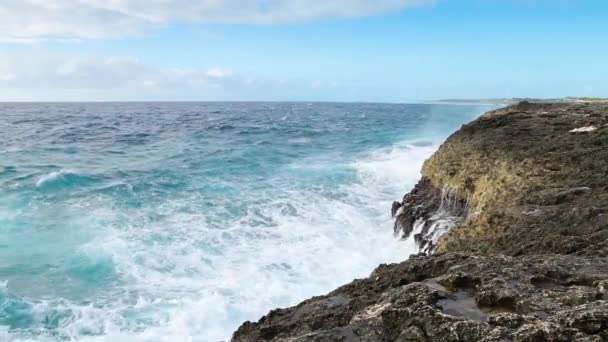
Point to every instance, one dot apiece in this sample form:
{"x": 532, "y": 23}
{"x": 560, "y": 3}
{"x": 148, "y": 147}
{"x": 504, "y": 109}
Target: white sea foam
{"x": 394, "y": 168}
{"x": 299, "y": 140}
{"x": 585, "y": 129}
{"x": 186, "y": 280}
{"x": 4, "y": 333}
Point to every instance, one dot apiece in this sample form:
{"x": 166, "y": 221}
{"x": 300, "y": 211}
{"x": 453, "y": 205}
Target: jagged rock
{"x": 427, "y": 212}
{"x": 453, "y": 297}
{"x": 522, "y": 258}
{"x": 523, "y": 160}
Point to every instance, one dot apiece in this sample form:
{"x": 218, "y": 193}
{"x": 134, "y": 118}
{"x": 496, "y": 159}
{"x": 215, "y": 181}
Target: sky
{"x": 301, "y": 50}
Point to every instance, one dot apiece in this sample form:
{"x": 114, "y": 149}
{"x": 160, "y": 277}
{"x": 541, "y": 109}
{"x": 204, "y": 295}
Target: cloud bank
{"x": 40, "y": 70}
{"x": 41, "y": 75}
{"x": 26, "y": 20}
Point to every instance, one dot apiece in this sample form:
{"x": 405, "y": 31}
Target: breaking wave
{"x": 184, "y": 236}
{"x": 62, "y": 179}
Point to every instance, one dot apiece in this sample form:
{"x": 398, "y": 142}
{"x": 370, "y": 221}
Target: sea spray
{"x": 178, "y": 223}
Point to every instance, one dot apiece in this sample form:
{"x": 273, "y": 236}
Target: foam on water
{"x": 160, "y": 244}
{"x": 312, "y": 245}
{"x": 192, "y": 283}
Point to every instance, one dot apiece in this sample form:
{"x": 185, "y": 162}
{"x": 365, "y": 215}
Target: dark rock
{"x": 427, "y": 212}
{"x": 453, "y": 297}
{"x": 395, "y": 208}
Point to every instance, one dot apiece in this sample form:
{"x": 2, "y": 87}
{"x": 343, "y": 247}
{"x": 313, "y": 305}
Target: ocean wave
{"x": 183, "y": 278}
{"x": 389, "y": 166}
{"x": 63, "y": 178}
{"x": 189, "y": 231}
{"x": 299, "y": 140}
{"x": 229, "y": 275}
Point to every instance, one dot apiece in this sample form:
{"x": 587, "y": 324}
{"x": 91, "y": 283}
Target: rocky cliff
{"x": 511, "y": 220}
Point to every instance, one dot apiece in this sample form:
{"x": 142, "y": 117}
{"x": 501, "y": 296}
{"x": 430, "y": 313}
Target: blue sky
{"x": 303, "y": 50}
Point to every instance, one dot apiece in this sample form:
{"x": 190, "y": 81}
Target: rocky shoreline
{"x": 510, "y": 219}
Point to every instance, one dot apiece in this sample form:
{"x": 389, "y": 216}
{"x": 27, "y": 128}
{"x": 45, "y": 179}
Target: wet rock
{"x": 507, "y": 320}
{"x": 452, "y": 297}
{"x": 427, "y": 212}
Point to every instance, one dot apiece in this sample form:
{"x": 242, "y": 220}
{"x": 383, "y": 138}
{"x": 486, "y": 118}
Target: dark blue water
{"x": 178, "y": 221}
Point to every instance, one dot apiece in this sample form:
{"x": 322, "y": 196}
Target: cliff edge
{"x": 527, "y": 179}
{"x": 510, "y": 219}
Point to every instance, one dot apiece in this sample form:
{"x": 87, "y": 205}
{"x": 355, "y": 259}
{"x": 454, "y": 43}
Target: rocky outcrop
{"x": 454, "y": 297}
{"x": 510, "y": 215}
{"x": 533, "y": 179}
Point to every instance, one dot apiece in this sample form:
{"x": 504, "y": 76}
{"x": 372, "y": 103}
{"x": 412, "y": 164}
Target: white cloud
{"x": 40, "y": 70}
{"x": 36, "y": 74}
{"x": 24, "y": 20}
{"x": 219, "y": 72}
{"x": 40, "y": 76}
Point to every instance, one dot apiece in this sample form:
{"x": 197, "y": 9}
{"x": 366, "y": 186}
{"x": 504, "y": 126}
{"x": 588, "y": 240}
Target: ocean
{"x": 179, "y": 221}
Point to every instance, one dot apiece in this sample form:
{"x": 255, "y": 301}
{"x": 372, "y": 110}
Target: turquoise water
{"x": 179, "y": 221}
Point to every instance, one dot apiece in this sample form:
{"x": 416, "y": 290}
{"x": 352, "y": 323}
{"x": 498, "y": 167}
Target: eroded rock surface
{"x": 454, "y": 297}
{"x": 533, "y": 184}
{"x": 523, "y": 254}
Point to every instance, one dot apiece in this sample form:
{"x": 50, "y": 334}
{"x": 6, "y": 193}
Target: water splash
{"x": 453, "y": 209}
{"x": 169, "y": 227}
